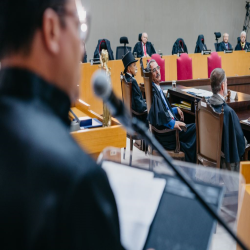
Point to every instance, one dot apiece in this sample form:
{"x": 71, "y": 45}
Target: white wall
{"x": 164, "y": 21}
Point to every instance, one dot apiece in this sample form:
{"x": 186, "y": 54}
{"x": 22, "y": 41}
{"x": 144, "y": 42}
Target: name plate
{"x": 228, "y": 51}
{"x": 248, "y": 50}
{"x": 206, "y": 52}
{"x": 203, "y": 104}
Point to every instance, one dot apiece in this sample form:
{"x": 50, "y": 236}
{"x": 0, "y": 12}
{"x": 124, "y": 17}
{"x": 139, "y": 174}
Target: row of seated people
{"x": 162, "y": 115}
{"x": 144, "y": 48}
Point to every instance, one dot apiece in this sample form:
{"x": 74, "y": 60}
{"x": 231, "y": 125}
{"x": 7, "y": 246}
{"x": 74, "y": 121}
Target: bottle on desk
{"x": 174, "y": 85}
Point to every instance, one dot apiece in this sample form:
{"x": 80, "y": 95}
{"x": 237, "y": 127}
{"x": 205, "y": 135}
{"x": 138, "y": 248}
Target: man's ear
{"x": 51, "y": 31}
{"x": 223, "y": 86}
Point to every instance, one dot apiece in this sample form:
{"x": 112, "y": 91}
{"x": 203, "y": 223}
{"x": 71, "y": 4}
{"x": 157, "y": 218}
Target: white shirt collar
{"x": 157, "y": 86}
{"x": 129, "y": 74}
{"x": 221, "y": 97}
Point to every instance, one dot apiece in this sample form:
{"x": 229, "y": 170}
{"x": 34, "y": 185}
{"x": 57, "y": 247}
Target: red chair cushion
{"x": 184, "y": 67}
{"x": 213, "y": 62}
{"x": 161, "y": 63}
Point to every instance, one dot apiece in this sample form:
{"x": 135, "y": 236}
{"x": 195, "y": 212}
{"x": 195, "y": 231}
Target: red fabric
{"x": 161, "y": 63}
{"x": 213, "y": 62}
{"x": 144, "y": 48}
{"x": 184, "y": 67}
{"x": 103, "y": 41}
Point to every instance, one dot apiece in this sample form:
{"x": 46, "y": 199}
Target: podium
{"x": 180, "y": 222}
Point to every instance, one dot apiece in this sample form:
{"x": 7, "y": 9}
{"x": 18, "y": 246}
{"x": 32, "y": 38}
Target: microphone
{"x": 103, "y": 90}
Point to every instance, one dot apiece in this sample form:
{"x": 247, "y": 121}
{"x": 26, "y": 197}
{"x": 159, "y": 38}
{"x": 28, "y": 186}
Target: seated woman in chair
{"x": 233, "y": 140}
{"x": 162, "y": 116}
{"x": 130, "y": 70}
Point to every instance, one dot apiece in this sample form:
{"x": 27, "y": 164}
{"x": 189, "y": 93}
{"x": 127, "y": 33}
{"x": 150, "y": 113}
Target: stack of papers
{"x": 137, "y": 194}
{"x": 246, "y": 121}
{"x": 199, "y": 92}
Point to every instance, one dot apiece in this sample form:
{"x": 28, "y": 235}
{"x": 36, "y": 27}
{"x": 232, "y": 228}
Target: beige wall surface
{"x": 164, "y": 21}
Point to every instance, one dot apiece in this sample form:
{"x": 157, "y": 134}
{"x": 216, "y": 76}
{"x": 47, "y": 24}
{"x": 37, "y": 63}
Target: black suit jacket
{"x": 238, "y": 46}
{"x": 53, "y": 195}
{"x": 139, "y": 49}
{"x": 222, "y": 47}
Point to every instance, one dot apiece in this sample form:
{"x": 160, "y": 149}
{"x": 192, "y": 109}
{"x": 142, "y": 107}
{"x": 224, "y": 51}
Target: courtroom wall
{"x": 164, "y": 21}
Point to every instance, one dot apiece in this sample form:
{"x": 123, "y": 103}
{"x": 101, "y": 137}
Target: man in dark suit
{"x": 53, "y": 195}
{"x": 243, "y": 44}
{"x": 130, "y": 70}
{"x": 233, "y": 141}
{"x": 162, "y": 116}
{"x": 144, "y": 48}
{"x": 224, "y": 45}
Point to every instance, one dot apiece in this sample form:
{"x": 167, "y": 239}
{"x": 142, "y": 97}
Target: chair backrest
{"x": 184, "y": 67}
{"x": 161, "y": 63}
{"x": 148, "y": 89}
{"x": 126, "y": 93}
{"x": 121, "y": 51}
{"x": 209, "y": 127}
{"x": 213, "y": 62}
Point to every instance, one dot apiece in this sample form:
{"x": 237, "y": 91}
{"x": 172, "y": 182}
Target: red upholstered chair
{"x": 161, "y": 63}
{"x": 213, "y": 62}
{"x": 184, "y": 67}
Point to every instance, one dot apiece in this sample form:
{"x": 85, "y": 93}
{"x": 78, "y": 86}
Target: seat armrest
{"x": 138, "y": 114}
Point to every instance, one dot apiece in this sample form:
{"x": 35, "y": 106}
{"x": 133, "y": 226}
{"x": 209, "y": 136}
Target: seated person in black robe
{"x": 179, "y": 47}
{"x": 233, "y": 141}
{"x": 243, "y": 44}
{"x": 162, "y": 116}
{"x": 130, "y": 70}
{"x": 103, "y": 44}
{"x": 144, "y": 48}
{"x": 224, "y": 45}
{"x": 200, "y": 44}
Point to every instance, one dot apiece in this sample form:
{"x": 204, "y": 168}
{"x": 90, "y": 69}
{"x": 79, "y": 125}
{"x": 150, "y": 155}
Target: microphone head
{"x": 101, "y": 85}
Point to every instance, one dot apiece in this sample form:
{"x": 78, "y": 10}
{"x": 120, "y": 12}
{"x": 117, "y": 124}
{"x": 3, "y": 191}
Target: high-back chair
{"x": 176, "y": 154}
{"x": 127, "y": 100}
{"x": 213, "y": 62}
{"x": 161, "y": 63}
{"x": 184, "y": 67}
{"x": 208, "y": 143}
{"x": 122, "y": 50}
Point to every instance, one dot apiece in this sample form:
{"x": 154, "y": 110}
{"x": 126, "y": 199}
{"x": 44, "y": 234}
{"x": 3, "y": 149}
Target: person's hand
{"x": 180, "y": 114}
{"x": 179, "y": 124}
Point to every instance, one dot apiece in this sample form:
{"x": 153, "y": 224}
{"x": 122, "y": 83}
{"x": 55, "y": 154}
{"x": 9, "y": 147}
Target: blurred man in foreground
{"x": 53, "y": 195}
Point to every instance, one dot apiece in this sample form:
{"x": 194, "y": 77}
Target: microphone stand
{"x": 140, "y": 128}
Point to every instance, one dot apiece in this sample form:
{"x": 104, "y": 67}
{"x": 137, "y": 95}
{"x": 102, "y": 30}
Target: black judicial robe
{"x": 179, "y": 46}
{"x": 238, "y": 46}
{"x": 53, "y": 195}
{"x": 233, "y": 142}
{"x": 139, "y": 49}
{"x": 158, "y": 116}
{"x": 200, "y": 44}
{"x": 98, "y": 49}
{"x": 138, "y": 103}
{"x": 221, "y": 46}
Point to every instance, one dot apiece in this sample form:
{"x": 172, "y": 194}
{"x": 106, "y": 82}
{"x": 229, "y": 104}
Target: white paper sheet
{"x": 137, "y": 195}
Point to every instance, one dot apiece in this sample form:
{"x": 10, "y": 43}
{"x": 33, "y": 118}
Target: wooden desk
{"x": 240, "y": 106}
{"x": 94, "y": 140}
{"x": 235, "y": 83}
{"x": 243, "y": 227}
{"x": 235, "y": 64}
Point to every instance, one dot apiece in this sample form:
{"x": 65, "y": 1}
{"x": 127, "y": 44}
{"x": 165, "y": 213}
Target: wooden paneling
{"x": 234, "y": 64}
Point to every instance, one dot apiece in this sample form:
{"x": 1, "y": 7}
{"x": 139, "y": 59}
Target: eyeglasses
{"x": 155, "y": 69}
{"x": 81, "y": 16}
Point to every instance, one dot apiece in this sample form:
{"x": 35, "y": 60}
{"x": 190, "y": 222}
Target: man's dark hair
{"x": 217, "y": 77}
{"x": 19, "y": 19}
